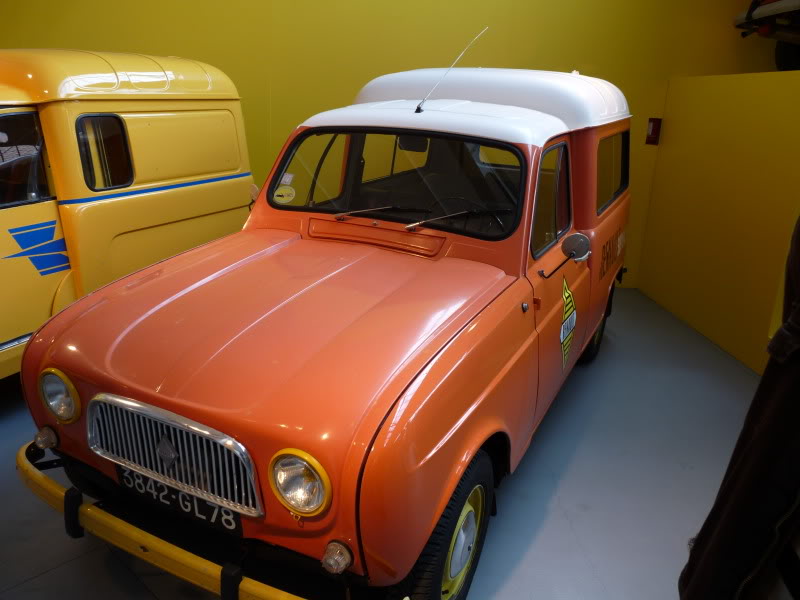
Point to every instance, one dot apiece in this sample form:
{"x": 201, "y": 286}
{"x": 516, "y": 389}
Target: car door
{"x": 136, "y": 187}
{"x": 33, "y": 257}
{"x": 561, "y": 286}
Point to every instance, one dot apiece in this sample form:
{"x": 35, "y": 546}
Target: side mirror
{"x": 577, "y": 247}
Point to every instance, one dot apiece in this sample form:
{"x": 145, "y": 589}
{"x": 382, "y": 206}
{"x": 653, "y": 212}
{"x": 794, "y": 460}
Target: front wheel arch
{"x": 498, "y": 447}
{"x": 429, "y": 576}
{"x": 388, "y": 563}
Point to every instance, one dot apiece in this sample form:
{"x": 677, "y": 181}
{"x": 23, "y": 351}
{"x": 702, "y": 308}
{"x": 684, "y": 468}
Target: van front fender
{"x": 482, "y": 383}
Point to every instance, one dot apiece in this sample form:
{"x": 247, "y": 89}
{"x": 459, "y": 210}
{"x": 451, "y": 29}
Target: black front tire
{"x": 427, "y": 577}
{"x": 593, "y": 348}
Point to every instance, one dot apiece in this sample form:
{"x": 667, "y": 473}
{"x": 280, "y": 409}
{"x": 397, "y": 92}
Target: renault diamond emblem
{"x": 167, "y": 452}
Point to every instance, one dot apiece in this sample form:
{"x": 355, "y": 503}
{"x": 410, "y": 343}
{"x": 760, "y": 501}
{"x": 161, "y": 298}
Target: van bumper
{"x": 139, "y": 543}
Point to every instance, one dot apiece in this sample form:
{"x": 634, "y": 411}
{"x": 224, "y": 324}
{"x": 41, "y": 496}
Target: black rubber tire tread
{"x": 593, "y": 349}
{"x": 424, "y": 581}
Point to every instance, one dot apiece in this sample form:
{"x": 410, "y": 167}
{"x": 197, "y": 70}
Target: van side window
{"x": 552, "y": 213}
{"x": 22, "y": 171}
{"x": 105, "y": 154}
{"x": 612, "y": 168}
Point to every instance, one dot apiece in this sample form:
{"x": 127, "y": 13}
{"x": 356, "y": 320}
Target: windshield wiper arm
{"x": 413, "y": 226}
{"x": 342, "y": 216}
{"x": 487, "y": 211}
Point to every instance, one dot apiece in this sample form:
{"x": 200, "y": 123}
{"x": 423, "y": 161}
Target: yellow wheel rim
{"x": 463, "y": 545}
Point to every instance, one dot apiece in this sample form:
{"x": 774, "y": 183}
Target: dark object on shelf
{"x": 757, "y": 509}
{"x": 777, "y": 19}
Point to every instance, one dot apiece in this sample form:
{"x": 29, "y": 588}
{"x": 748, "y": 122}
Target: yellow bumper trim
{"x": 139, "y": 543}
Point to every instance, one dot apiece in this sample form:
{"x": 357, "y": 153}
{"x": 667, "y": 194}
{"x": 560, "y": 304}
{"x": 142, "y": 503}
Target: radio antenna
{"x": 458, "y": 58}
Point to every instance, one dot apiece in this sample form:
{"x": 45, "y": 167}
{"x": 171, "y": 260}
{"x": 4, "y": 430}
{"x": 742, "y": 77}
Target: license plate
{"x": 198, "y": 509}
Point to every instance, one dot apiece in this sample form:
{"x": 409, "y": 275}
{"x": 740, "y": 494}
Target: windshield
{"x": 456, "y": 184}
{"x": 22, "y": 174}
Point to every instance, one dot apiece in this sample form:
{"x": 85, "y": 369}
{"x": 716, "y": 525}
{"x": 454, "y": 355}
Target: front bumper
{"x": 139, "y": 543}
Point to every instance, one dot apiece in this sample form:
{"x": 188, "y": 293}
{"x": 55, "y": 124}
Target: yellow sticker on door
{"x": 568, "y": 323}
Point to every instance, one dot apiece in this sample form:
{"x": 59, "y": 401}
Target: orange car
{"x": 340, "y": 386}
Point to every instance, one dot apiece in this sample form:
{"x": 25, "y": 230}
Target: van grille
{"x": 174, "y": 450}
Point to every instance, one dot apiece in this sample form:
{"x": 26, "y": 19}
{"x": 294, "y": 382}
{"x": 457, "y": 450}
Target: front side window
{"x": 105, "y": 155}
{"x": 471, "y": 187}
{"x": 552, "y": 213}
{"x": 22, "y": 170}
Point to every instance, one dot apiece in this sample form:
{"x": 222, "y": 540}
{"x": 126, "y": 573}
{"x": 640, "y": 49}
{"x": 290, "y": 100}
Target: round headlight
{"x": 300, "y": 482}
{"x": 59, "y": 395}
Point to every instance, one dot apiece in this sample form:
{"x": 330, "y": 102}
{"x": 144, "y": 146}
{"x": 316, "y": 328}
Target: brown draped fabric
{"x": 757, "y": 507}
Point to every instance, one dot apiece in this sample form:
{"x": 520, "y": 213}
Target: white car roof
{"x": 511, "y": 105}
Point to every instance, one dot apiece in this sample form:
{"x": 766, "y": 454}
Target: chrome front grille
{"x": 174, "y": 450}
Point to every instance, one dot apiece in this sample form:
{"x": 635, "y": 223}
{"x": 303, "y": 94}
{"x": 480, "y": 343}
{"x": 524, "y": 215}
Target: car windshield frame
{"x": 407, "y": 217}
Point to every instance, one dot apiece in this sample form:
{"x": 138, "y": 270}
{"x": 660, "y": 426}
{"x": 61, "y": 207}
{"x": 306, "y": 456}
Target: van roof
{"x": 35, "y": 76}
{"x": 578, "y": 100}
{"x": 512, "y": 105}
{"x": 476, "y": 119}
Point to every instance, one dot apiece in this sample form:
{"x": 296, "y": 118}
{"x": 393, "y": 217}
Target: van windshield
{"x": 22, "y": 175}
{"x": 467, "y": 186}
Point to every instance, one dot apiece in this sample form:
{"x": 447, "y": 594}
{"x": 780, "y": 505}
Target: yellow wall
{"x": 292, "y": 59}
{"x": 723, "y": 207}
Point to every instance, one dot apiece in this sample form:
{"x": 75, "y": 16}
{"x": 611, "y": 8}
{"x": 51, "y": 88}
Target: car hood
{"x": 266, "y": 332}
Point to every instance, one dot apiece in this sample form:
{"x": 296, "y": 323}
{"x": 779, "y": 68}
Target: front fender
{"x": 482, "y": 382}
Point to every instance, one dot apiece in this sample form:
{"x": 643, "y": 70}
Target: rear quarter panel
{"x": 606, "y": 230}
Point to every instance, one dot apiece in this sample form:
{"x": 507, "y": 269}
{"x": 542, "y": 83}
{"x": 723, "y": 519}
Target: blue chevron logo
{"x": 38, "y": 245}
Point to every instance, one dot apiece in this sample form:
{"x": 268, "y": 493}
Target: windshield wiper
{"x": 342, "y": 216}
{"x": 413, "y": 226}
{"x": 487, "y": 211}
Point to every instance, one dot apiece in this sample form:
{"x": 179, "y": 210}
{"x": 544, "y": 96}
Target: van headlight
{"x": 300, "y": 482}
{"x": 59, "y": 396}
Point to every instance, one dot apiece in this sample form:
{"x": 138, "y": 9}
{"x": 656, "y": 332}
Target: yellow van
{"x": 108, "y": 163}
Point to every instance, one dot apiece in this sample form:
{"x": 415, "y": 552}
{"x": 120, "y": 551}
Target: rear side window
{"x": 552, "y": 215}
{"x": 612, "y": 169}
{"x": 105, "y": 154}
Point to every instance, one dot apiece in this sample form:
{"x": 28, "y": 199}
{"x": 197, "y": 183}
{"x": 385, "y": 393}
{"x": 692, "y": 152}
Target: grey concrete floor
{"x": 620, "y": 474}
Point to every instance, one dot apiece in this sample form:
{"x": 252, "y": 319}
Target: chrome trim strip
{"x": 15, "y": 342}
{"x": 138, "y": 417}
